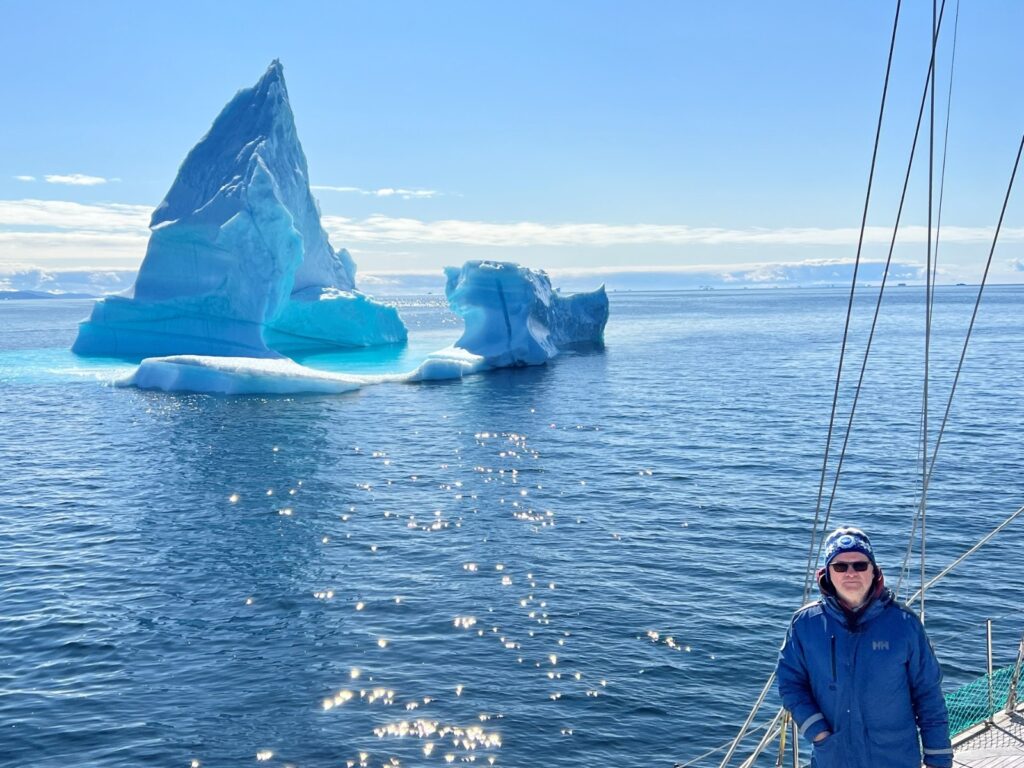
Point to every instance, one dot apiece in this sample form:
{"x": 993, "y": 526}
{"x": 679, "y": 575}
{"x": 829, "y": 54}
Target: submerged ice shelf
{"x": 238, "y": 263}
{"x": 512, "y": 317}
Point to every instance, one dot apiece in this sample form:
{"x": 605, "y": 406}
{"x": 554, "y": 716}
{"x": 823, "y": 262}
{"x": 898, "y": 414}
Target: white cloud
{"x": 62, "y": 234}
{"x": 405, "y": 194}
{"x": 75, "y": 179}
{"x": 33, "y": 214}
{"x": 94, "y": 282}
{"x": 60, "y": 214}
{"x": 25, "y": 178}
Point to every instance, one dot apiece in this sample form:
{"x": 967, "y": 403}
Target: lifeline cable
{"x": 720, "y": 747}
{"x": 988, "y": 537}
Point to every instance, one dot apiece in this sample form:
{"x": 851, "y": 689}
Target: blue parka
{"x": 871, "y": 678}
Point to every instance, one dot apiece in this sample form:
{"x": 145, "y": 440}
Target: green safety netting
{"x": 978, "y": 700}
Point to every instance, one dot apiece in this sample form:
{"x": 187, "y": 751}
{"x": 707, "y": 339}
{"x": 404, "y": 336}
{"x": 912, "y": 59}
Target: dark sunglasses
{"x": 860, "y": 566}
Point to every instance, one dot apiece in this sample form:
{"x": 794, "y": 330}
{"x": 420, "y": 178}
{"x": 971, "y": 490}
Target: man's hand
{"x": 822, "y": 736}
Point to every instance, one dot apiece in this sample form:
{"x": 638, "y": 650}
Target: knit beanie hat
{"x": 847, "y": 539}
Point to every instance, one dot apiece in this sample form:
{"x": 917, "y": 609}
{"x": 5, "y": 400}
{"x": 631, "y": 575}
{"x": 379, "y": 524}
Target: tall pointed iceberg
{"x": 238, "y": 263}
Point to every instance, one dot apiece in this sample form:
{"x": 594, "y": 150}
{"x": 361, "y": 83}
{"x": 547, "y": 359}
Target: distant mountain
{"x": 11, "y": 295}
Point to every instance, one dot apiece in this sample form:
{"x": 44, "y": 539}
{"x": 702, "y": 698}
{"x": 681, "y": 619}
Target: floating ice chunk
{"x": 238, "y": 262}
{"x": 238, "y": 376}
{"x": 513, "y": 316}
{"x": 281, "y": 376}
{"x": 447, "y": 363}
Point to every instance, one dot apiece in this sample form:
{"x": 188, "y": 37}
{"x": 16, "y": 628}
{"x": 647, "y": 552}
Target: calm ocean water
{"x": 589, "y": 563}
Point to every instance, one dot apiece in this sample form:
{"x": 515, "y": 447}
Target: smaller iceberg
{"x": 514, "y": 317}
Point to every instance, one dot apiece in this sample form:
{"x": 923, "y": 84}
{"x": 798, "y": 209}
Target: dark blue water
{"x": 588, "y": 563}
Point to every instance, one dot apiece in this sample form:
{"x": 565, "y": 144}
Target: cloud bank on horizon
{"x": 69, "y": 179}
{"x": 405, "y": 194}
{"x": 60, "y": 237}
{"x": 809, "y": 273}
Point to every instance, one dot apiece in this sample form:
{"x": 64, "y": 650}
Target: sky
{"x": 723, "y": 142}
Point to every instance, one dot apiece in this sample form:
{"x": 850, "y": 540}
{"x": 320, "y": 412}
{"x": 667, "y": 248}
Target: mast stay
{"x": 779, "y": 722}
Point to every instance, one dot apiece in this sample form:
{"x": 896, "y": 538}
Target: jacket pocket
{"x": 895, "y": 746}
{"x": 827, "y": 753}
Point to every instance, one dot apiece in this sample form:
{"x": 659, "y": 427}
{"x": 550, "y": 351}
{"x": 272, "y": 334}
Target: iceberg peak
{"x": 237, "y": 253}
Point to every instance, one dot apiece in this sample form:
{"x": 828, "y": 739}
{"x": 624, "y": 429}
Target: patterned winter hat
{"x": 847, "y": 539}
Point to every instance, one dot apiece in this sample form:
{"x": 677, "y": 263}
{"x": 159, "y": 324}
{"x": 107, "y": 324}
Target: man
{"x": 857, "y": 671}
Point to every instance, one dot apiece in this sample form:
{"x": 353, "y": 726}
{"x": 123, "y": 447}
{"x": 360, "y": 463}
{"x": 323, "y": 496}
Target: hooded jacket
{"x": 871, "y": 678}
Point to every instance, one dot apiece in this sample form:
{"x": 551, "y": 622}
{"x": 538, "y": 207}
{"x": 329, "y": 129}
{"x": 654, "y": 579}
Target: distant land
{"x": 17, "y": 295}
{"x": 85, "y": 284}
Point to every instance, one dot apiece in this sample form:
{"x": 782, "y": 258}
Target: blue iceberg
{"x": 513, "y": 318}
{"x": 238, "y": 263}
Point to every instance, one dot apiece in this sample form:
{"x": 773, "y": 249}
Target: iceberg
{"x": 238, "y": 263}
{"x": 514, "y": 317}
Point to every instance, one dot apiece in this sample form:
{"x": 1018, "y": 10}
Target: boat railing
{"x": 980, "y": 700}
{"x": 972, "y": 707}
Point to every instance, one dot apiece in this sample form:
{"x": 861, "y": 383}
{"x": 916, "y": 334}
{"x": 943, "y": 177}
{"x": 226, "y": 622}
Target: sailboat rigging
{"x": 780, "y": 725}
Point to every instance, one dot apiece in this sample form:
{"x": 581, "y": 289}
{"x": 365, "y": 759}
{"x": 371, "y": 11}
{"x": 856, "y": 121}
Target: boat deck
{"x": 997, "y": 744}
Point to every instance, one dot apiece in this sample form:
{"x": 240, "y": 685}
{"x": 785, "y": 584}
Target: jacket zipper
{"x": 833, "y": 658}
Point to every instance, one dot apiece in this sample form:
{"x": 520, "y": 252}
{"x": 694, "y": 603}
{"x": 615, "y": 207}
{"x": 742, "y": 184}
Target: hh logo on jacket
{"x": 879, "y": 645}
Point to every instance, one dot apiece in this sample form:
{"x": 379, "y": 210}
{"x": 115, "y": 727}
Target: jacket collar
{"x": 879, "y": 597}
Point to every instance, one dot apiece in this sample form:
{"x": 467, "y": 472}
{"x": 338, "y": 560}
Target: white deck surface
{"x": 999, "y": 744}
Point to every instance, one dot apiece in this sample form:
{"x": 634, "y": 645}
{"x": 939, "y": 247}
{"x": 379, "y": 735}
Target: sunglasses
{"x": 860, "y": 566}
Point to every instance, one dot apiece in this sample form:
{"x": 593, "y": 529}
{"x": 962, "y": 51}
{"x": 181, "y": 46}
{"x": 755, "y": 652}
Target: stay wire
{"x": 918, "y": 459}
{"x": 945, "y": 141}
{"x": 960, "y": 365}
{"x": 849, "y": 308}
{"x": 881, "y": 290}
{"x": 974, "y": 314}
{"x": 928, "y": 297}
{"x": 904, "y": 568}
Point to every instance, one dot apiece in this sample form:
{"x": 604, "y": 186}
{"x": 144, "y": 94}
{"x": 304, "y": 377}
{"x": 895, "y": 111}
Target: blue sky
{"x": 575, "y": 136}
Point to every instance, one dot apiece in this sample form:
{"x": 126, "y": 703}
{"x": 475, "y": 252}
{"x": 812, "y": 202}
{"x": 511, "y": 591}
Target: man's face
{"x": 851, "y": 586}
